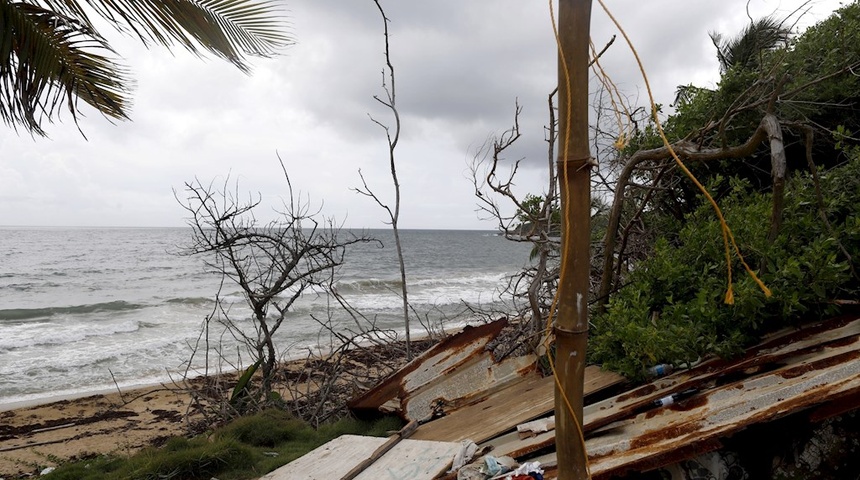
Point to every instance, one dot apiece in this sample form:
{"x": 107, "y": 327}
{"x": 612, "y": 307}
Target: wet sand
{"x": 34, "y": 437}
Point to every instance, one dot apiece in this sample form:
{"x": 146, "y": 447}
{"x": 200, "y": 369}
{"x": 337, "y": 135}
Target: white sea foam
{"x": 95, "y": 306}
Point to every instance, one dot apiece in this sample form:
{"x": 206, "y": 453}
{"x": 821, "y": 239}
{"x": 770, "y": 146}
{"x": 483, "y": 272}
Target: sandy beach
{"x": 35, "y": 437}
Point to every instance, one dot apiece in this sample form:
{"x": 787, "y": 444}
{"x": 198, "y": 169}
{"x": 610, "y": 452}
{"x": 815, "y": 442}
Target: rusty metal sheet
{"x": 769, "y": 354}
{"x": 457, "y": 371}
{"x": 468, "y": 342}
{"x": 469, "y": 384}
{"x": 619, "y": 411}
{"x": 512, "y": 445}
{"x": 814, "y": 367}
{"x": 666, "y": 435}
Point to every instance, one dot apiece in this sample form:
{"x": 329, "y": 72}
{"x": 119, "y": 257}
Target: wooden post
{"x": 574, "y": 173}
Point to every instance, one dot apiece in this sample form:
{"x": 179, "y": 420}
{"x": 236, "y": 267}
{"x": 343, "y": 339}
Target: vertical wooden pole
{"x": 574, "y": 173}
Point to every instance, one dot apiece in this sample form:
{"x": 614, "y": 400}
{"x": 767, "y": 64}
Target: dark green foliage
{"x": 248, "y": 447}
{"x": 241, "y": 395}
{"x": 673, "y": 310}
{"x": 813, "y": 80}
{"x": 189, "y": 459}
{"x": 267, "y": 429}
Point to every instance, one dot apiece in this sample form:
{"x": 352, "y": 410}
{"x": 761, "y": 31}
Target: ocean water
{"x": 84, "y": 309}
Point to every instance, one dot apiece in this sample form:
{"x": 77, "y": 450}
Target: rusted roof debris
{"x": 446, "y": 376}
{"x": 477, "y": 398}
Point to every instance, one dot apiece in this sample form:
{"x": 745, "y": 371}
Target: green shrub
{"x": 187, "y": 459}
{"x": 672, "y": 311}
{"x": 267, "y": 429}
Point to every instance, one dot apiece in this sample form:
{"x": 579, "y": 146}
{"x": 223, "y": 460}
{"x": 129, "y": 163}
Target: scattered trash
{"x": 47, "y": 470}
{"x": 526, "y": 471}
{"x": 467, "y": 450}
{"x": 661, "y": 370}
{"x": 675, "y": 397}
{"x": 530, "y": 429}
{"x": 496, "y": 466}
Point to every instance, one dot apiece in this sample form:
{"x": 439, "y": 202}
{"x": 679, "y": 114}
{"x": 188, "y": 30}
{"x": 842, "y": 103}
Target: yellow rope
{"x": 726, "y": 231}
{"x": 612, "y": 89}
{"x": 565, "y": 238}
{"x": 728, "y": 237}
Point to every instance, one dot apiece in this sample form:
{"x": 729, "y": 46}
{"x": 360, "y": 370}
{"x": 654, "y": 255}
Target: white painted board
{"x": 408, "y": 460}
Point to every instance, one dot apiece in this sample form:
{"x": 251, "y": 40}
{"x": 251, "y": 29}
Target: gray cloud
{"x": 460, "y": 67}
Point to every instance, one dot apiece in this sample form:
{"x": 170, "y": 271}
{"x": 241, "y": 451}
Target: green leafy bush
{"x": 673, "y": 311}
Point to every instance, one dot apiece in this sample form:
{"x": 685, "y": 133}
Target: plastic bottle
{"x": 670, "y": 399}
{"x": 660, "y": 370}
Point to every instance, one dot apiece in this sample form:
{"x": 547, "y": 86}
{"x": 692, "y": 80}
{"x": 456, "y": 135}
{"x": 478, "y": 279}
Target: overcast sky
{"x": 460, "y": 66}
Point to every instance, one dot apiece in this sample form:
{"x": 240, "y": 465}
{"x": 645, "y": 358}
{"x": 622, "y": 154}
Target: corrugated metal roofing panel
{"x": 787, "y": 374}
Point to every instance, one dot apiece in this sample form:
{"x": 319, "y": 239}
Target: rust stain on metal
{"x": 435, "y": 362}
{"x": 836, "y": 405}
{"x": 801, "y": 370}
{"x": 662, "y": 459}
{"x": 639, "y": 392}
{"x": 825, "y": 373}
{"x": 669, "y": 432}
{"x": 697, "y": 401}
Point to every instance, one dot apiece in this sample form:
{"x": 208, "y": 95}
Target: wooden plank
{"x": 503, "y": 410}
{"x": 512, "y": 445}
{"x": 386, "y": 447}
{"x": 413, "y": 459}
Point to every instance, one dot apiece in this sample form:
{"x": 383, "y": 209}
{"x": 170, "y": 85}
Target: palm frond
{"x": 51, "y": 54}
{"x": 47, "y": 60}
{"x": 744, "y": 50}
{"x": 231, "y": 29}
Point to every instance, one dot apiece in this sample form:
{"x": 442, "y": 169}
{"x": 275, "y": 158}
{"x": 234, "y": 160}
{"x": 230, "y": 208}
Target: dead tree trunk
{"x": 777, "y": 162}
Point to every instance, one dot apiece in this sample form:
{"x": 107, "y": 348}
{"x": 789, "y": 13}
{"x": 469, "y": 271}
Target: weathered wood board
{"x": 503, "y": 410}
{"x": 409, "y": 459}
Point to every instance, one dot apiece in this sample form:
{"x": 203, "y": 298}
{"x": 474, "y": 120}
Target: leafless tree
{"x": 535, "y": 219}
{"x": 392, "y": 135}
{"x": 271, "y": 263}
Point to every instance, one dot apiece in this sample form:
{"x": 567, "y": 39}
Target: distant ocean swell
{"x": 32, "y": 313}
{"x": 82, "y": 308}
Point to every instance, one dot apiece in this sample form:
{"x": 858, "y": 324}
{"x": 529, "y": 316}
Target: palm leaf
{"x": 51, "y": 54}
{"x": 231, "y": 29}
{"x": 743, "y": 51}
{"x": 48, "y": 59}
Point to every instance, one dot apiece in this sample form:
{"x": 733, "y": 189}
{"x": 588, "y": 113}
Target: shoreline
{"x": 34, "y": 436}
{"x": 38, "y": 433}
{"x": 162, "y": 381}
{"x": 69, "y": 396}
